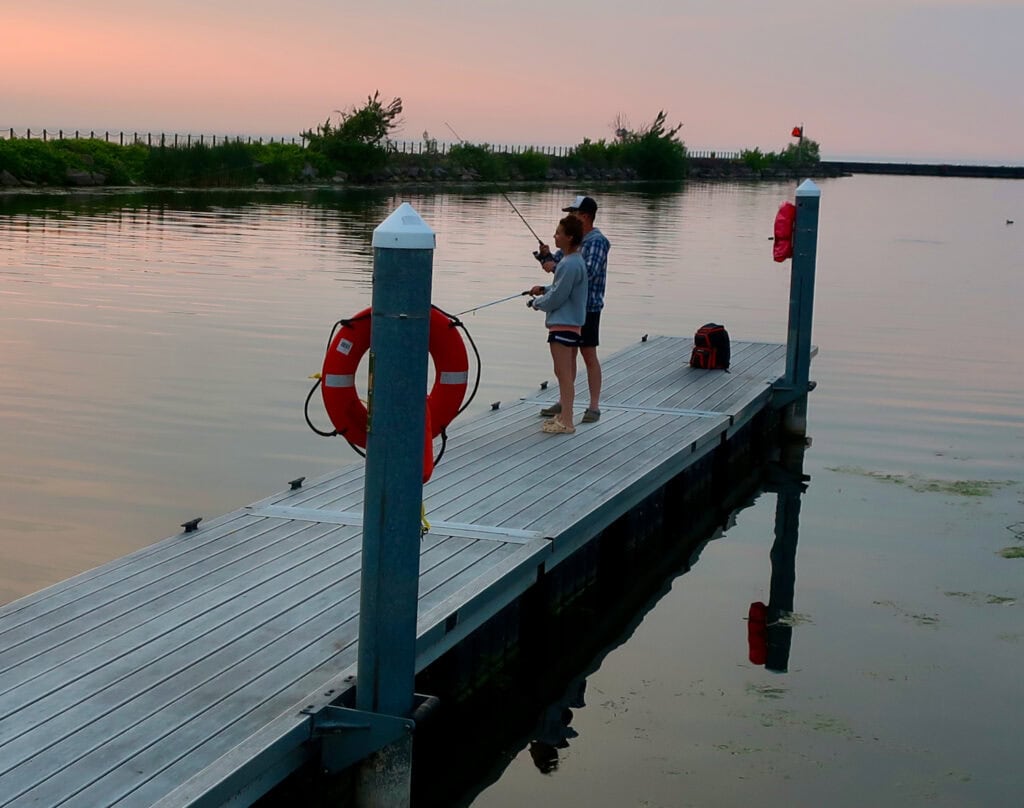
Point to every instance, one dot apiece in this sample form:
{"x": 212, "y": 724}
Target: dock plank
{"x": 178, "y": 672}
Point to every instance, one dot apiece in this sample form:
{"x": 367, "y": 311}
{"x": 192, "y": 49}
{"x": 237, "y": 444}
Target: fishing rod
{"x": 539, "y": 240}
{"x": 493, "y": 303}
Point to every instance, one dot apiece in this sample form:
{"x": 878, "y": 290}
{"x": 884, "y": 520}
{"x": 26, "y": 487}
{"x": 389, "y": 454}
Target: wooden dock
{"x": 187, "y": 673}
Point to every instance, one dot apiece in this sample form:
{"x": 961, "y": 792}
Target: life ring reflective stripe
{"x": 341, "y": 398}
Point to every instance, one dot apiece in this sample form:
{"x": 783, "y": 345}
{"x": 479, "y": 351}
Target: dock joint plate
{"x": 784, "y": 393}
{"x": 347, "y": 735}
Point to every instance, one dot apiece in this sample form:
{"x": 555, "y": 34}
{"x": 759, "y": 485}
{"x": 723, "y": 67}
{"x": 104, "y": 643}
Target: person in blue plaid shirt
{"x": 594, "y": 251}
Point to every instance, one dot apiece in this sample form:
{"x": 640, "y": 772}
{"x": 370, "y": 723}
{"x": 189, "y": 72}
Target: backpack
{"x": 710, "y": 347}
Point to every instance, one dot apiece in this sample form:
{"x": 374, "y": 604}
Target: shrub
{"x": 805, "y": 152}
{"x": 480, "y": 159}
{"x": 756, "y": 160}
{"x": 653, "y": 151}
{"x": 591, "y": 155}
{"x": 530, "y": 164}
{"x": 279, "y": 163}
{"x": 34, "y": 160}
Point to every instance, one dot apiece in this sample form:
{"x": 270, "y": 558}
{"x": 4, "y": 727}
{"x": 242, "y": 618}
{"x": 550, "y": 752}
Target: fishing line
{"x": 532, "y": 231}
{"x": 492, "y": 303}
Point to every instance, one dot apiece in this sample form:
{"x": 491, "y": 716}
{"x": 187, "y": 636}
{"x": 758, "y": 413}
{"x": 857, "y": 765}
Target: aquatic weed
{"x": 921, "y": 619}
{"x": 979, "y": 598}
{"x": 765, "y": 691}
{"x": 962, "y": 488}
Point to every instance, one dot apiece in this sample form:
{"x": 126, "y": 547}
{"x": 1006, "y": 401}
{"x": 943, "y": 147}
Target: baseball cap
{"x": 584, "y": 204}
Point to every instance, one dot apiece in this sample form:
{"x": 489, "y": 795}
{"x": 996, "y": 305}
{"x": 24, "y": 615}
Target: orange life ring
{"x": 341, "y": 399}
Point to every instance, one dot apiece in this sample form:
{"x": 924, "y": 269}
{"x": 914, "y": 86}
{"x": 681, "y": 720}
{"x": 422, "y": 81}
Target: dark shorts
{"x": 591, "y": 327}
{"x": 566, "y": 338}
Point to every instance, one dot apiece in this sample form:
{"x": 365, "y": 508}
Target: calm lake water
{"x": 154, "y": 355}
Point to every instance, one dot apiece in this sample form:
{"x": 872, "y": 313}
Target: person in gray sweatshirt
{"x": 565, "y": 305}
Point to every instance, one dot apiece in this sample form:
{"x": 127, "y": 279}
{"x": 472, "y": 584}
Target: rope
{"x": 457, "y": 323}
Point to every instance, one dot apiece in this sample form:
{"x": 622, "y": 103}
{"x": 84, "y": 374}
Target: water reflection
{"x": 533, "y": 712}
{"x": 770, "y": 626}
{"x": 555, "y": 730}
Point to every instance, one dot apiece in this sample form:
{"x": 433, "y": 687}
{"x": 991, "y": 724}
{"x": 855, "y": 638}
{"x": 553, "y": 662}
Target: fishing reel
{"x": 542, "y": 257}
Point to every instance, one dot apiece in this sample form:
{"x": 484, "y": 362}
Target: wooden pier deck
{"x": 178, "y": 675}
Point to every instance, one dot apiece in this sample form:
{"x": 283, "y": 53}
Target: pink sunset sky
{"x": 899, "y": 79}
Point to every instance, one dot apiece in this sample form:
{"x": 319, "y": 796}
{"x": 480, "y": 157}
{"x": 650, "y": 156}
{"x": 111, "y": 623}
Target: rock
{"x": 8, "y": 180}
{"x": 84, "y": 178}
{"x": 308, "y": 172}
{"x": 340, "y": 176}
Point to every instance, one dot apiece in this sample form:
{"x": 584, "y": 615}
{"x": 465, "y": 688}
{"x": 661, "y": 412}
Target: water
{"x": 154, "y": 354}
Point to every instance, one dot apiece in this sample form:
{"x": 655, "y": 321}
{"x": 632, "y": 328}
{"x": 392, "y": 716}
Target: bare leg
{"x": 564, "y": 360}
{"x": 593, "y": 376}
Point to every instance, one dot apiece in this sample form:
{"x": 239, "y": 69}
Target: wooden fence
{"x": 176, "y": 140}
{"x": 144, "y": 138}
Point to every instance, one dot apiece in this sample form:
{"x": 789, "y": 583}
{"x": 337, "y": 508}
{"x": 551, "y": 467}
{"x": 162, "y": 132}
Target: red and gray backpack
{"x": 710, "y": 347}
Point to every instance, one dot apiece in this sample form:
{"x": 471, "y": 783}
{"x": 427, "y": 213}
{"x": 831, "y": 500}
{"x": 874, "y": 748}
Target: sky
{"x": 917, "y": 80}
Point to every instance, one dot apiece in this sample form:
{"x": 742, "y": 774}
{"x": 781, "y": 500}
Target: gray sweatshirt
{"x": 565, "y": 300}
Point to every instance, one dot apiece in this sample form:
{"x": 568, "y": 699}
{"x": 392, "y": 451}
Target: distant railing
{"x": 178, "y": 140}
{"x": 712, "y": 154}
{"x": 172, "y": 139}
{"x": 443, "y": 147}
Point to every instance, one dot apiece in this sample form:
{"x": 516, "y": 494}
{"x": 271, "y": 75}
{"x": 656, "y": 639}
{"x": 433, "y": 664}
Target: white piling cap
{"x": 808, "y": 188}
{"x": 404, "y": 230}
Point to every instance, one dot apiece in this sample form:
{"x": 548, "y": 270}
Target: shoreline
{"x": 701, "y": 170}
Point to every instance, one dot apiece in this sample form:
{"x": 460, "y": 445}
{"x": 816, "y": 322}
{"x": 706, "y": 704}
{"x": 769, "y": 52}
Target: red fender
{"x": 785, "y": 222}
{"x": 341, "y": 398}
{"x": 757, "y": 633}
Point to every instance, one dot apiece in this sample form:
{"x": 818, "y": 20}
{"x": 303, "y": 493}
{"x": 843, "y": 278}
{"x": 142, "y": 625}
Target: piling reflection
{"x": 770, "y": 626}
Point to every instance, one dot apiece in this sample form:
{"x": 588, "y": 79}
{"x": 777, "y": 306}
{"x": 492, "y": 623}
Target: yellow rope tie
{"x": 424, "y": 524}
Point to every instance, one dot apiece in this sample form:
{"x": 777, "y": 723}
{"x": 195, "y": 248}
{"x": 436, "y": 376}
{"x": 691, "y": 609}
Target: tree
{"x": 654, "y": 150}
{"x": 805, "y": 152}
{"x": 357, "y": 142}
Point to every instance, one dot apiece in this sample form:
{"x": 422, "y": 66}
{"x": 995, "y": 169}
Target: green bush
{"x": 279, "y": 163}
{"x": 803, "y": 153}
{"x": 530, "y": 164}
{"x": 120, "y": 165}
{"x": 655, "y": 158}
{"x": 654, "y": 151}
{"x": 756, "y": 160}
{"x": 601, "y": 155}
{"x": 34, "y": 160}
{"x": 48, "y": 162}
{"x": 480, "y": 159}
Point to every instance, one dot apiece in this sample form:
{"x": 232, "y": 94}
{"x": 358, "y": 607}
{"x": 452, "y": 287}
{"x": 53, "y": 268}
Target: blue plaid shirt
{"x": 594, "y": 250}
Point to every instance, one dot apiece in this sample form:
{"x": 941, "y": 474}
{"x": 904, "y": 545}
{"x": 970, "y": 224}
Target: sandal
{"x": 556, "y": 427}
